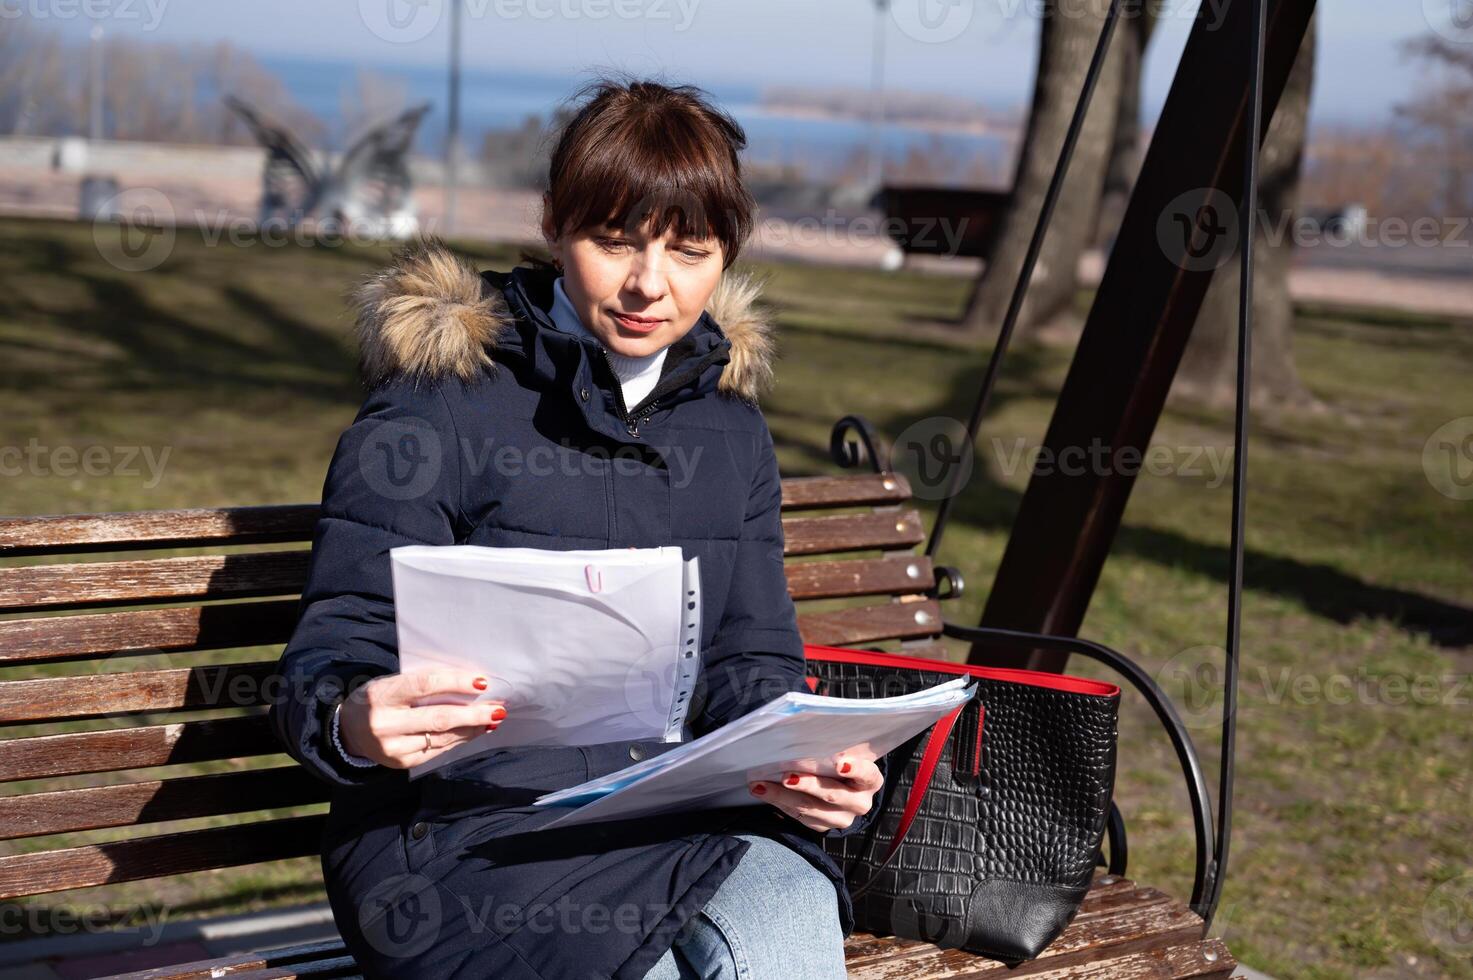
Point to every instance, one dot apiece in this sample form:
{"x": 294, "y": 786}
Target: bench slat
{"x": 49, "y": 587}
{"x": 158, "y": 856}
{"x": 172, "y": 689}
{"x": 147, "y": 631}
{"x": 118, "y": 749}
{"x": 239, "y": 964}
{"x": 157, "y": 800}
{"x": 875, "y": 489}
{"x": 852, "y": 532}
{"x": 1155, "y": 922}
{"x": 33, "y": 588}
{"x": 201, "y": 526}
{"x": 194, "y": 527}
{"x": 846, "y": 577}
{"x": 866, "y": 624}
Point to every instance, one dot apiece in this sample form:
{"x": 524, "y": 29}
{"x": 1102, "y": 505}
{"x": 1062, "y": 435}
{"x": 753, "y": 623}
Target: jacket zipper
{"x": 641, "y": 411}
{"x": 630, "y": 425}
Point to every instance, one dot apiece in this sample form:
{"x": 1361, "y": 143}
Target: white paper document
{"x": 582, "y": 646}
{"x": 797, "y": 732}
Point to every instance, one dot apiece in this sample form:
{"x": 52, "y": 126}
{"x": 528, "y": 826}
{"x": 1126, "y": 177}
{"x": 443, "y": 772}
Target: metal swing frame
{"x": 1245, "y": 60}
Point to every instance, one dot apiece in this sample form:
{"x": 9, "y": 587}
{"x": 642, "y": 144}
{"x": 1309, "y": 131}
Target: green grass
{"x": 1354, "y": 743}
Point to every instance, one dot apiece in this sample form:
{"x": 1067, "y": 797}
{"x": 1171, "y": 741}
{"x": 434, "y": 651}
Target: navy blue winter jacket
{"x": 485, "y": 424}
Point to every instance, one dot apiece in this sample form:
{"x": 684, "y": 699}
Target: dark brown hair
{"x": 636, "y": 151}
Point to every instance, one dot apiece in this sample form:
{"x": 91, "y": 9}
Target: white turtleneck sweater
{"x": 637, "y": 375}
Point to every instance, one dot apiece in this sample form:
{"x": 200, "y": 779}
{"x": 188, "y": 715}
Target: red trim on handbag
{"x": 977, "y": 748}
{"x": 812, "y": 684}
{"x": 935, "y": 742}
{"x": 1037, "y": 678}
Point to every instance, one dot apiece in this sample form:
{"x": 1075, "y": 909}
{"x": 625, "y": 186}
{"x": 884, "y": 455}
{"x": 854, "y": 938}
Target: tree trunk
{"x": 1066, "y": 44}
{"x": 1125, "y": 146}
{"x": 1209, "y": 363}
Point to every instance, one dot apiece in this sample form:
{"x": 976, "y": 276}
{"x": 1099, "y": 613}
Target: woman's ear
{"x": 549, "y": 232}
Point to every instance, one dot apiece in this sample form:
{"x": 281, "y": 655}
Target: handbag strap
{"x": 931, "y": 755}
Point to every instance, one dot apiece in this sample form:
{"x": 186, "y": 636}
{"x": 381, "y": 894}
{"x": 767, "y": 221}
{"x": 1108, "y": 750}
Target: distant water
{"x": 498, "y": 100}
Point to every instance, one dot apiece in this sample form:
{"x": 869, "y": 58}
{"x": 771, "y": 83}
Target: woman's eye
{"x": 695, "y": 254}
{"x": 610, "y": 244}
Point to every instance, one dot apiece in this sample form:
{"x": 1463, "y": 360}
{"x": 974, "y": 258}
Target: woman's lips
{"x": 640, "y": 324}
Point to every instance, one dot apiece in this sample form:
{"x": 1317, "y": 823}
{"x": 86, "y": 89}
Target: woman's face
{"x": 636, "y": 293}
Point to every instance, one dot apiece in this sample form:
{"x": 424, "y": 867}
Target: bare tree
{"x": 1442, "y": 118}
{"x": 1067, "y": 40}
{"x": 1207, "y": 368}
{"x": 38, "y": 96}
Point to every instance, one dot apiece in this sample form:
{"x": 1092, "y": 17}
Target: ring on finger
{"x": 428, "y": 746}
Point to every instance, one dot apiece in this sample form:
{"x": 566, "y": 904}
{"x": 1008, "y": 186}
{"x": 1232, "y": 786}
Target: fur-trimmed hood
{"x": 429, "y": 314}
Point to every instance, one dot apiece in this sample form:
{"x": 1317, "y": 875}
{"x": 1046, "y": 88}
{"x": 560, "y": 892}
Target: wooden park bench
{"x": 67, "y": 597}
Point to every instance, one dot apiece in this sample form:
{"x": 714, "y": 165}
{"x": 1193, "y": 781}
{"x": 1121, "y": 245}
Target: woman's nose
{"x": 647, "y": 278}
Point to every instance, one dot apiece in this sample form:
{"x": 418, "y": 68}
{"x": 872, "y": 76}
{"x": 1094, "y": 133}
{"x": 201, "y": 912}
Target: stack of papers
{"x": 582, "y": 646}
{"x": 797, "y": 732}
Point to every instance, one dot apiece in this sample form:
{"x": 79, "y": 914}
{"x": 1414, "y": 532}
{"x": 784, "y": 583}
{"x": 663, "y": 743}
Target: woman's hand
{"x": 380, "y": 722}
{"x": 826, "y": 803}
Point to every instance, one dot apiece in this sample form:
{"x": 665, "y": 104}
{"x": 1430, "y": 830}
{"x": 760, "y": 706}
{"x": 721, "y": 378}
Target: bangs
{"x": 657, "y": 171}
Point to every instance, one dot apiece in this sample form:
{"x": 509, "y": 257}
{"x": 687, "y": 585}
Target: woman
{"x": 605, "y": 400}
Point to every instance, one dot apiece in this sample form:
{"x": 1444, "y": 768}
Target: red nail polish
{"x": 844, "y": 768}
{"x": 498, "y": 713}
{"x": 492, "y": 728}
{"x": 792, "y": 780}
{"x": 479, "y": 683}
{"x": 759, "y": 789}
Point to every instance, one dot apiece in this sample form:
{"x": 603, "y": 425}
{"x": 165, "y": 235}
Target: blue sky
{"x": 977, "y": 48}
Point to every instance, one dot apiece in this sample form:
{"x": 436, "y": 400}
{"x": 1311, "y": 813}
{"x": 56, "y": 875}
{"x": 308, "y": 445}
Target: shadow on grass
{"x": 988, "y": 505}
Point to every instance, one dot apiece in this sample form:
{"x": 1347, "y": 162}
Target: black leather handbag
{"x": 991, "y": 820}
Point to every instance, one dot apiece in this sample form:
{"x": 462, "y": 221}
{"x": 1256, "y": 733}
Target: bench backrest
{"x": 115, "y": 662}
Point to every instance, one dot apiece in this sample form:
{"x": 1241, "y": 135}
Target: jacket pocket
{"x": 502, "y": 779}
{"x": 609, "y": 757}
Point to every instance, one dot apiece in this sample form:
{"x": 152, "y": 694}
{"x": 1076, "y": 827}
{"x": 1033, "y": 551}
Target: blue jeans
{"x": 775, "y": 915}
